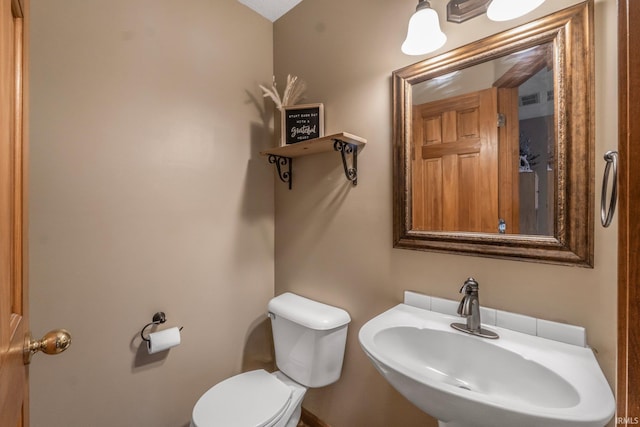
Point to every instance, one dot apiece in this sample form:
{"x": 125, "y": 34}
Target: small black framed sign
{"x": 302, "y": 123}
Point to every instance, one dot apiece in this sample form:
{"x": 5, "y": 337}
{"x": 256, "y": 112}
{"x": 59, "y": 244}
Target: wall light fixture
{"x": 424, "y": 34}
{"x": 505, "y": 10}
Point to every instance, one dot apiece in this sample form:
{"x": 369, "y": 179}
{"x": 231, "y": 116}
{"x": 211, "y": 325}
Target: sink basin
{"x": 464, "y": 380}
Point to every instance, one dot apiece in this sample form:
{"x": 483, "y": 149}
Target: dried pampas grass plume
{"x": 294, "y": 90}
{"x": 292, "y": 93}
{"x": 272, "y": 93}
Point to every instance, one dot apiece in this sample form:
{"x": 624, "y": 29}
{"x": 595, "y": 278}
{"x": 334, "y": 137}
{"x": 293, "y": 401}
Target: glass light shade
{"x": 504, "y": 10}
{"x": 424, "y": 34}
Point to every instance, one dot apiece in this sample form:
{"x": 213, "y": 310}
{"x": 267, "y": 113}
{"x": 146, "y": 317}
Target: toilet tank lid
{"x": 308, "y": 313}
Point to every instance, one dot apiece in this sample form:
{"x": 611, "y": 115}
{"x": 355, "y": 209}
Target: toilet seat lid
{"x": 251, "y": 399}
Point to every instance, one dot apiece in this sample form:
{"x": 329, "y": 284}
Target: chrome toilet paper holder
{"x": 157, "y": 319}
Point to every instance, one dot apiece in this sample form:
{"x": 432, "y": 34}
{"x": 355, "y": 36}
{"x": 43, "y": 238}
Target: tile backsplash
{"x": 570, "y": 334}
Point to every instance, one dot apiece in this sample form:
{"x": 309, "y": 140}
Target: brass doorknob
{"x": 53, "y": 342}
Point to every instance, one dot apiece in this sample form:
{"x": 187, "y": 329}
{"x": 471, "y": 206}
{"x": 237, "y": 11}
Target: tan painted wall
{"x": 147, "y": 194}
{"x": 334, "y": 242}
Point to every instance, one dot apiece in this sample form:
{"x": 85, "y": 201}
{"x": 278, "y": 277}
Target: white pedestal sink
{"x": 468, "y": 381}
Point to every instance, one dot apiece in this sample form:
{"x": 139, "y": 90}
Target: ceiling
{"x": 271, "y": 9}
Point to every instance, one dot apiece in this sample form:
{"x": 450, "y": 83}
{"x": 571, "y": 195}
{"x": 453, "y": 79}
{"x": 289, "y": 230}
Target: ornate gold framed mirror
{"x": 493, "y": 145}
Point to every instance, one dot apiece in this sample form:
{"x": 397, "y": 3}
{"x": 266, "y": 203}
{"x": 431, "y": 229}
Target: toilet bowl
{"x": 255, "y": 398}
{"x": 309, "y": 340}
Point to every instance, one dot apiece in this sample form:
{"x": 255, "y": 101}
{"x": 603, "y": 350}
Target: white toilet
{"x": 309, "y": 339}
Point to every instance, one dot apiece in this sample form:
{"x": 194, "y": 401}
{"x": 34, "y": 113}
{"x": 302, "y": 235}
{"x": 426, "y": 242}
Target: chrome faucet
{"x": 469, "y": 308}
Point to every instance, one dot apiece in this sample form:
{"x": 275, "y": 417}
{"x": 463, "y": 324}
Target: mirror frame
{"x": 570, "y": 31}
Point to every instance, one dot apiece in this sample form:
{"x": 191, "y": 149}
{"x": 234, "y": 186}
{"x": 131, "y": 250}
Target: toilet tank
{"x": 309, "y": 339}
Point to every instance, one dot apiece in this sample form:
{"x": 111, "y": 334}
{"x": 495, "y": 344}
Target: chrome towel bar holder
{"x": 606, "y": 214}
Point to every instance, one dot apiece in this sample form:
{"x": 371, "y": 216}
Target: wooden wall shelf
{"x": 344, "y": 143}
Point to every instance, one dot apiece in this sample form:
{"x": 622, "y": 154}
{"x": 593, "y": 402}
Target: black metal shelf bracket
{"x": 345, "y": 148}
{"x": 282, "y": 162}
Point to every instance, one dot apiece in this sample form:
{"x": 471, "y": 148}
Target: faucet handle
{"x": 470, "y": 285}
{"x": 464, "y": 309}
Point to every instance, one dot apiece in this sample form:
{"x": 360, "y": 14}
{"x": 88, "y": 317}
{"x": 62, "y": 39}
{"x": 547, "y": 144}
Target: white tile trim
{"x": 488, "y": 316}
{"x": 569, "y": 334}
{"x": 516, "y": 322}
{"x": 415, "y": 299}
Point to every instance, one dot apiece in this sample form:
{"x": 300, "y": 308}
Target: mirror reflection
{"x": 483, "y": 144}
{"x": 493, "y": 145}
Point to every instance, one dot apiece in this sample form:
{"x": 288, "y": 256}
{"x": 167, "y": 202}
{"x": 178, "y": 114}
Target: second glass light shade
{"x": 504, "y": 10}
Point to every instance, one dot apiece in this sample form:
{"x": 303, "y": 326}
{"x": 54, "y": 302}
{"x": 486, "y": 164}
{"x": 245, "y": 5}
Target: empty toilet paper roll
{"x": 163, "y": 340}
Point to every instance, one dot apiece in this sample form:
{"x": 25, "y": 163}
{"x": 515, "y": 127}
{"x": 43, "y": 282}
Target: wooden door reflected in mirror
{"x": 455, "y": 163}
{"x": 483, "y": 144}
